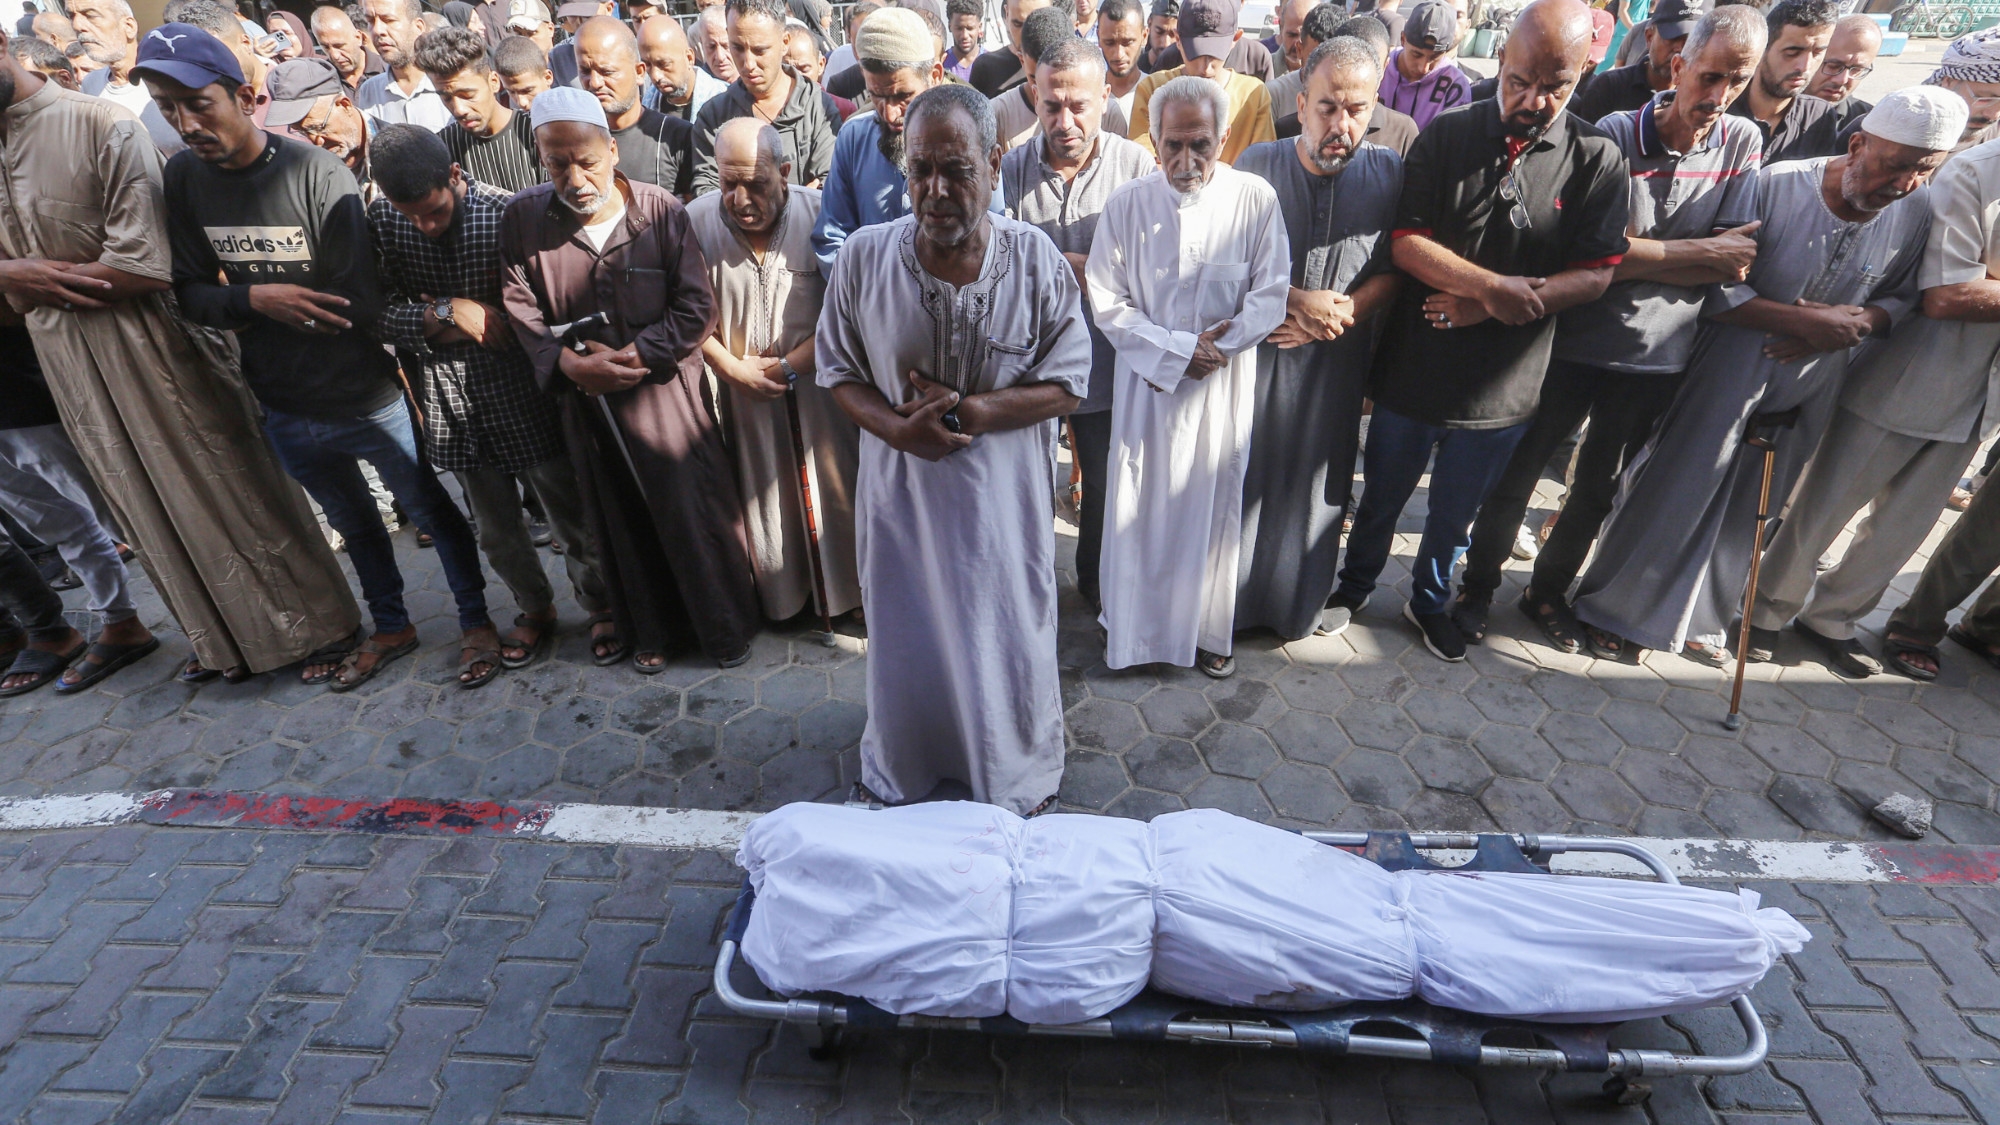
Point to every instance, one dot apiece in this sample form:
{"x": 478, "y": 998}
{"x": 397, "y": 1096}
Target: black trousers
{"x": 1623, "y": 409}
{"x": 1092, "y": 450}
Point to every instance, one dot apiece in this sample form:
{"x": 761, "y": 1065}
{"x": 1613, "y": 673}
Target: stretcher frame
{"x": 1418, "y": 1032}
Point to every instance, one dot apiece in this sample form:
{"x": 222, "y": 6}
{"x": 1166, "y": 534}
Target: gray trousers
{"x": 1858, "y": 463}
{"x": 503, "y": 533}
{"x": 44, "y": 485}
{"x": 1967, "y": 557}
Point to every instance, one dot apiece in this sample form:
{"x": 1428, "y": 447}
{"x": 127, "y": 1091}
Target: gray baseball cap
{"x": 1433, "y": 25}
{"x": 527, "y": 14}
{"x": 295, "y": 85}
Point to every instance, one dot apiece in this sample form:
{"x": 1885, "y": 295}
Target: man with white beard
{"x": 1840, "y": 244}
{"x": 1189, "y": 272}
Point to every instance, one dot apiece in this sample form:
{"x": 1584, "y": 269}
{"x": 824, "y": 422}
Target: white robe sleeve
{"x": 1270, "y": 284}
{"x": 1159, "y": 355}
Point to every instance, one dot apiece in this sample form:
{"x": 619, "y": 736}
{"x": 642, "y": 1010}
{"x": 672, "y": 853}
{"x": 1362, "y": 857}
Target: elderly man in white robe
{"x": 1837, "y": 264}
{"x": 1190, "y": 271}
{"x": 955, "y": 338}
{"x": 756, "y": 233}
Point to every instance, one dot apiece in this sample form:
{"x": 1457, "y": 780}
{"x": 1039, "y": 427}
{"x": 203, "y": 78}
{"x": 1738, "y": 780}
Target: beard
{"x": 1070, "y": 143}
{"x": 586, "y": 210}
{"x": 6, "y": 88}
{"x": 1329, "y": 159}
{"x": 622, "y": 105}
{"x": 1852, "y": 191}
{"x": 99, "y": 52}
{"x": 1530, "y": 128}
{"x": 889, "y": 142}
{"x": 1776, "y": 90}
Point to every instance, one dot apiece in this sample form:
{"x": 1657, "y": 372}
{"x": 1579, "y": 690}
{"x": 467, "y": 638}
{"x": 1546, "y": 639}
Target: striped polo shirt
{"x": 1649, "y": 326}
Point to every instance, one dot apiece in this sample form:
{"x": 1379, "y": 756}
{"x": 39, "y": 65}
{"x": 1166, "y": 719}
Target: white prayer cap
{"x": 1926, "y": 117}
{"x": 567, "y": 103}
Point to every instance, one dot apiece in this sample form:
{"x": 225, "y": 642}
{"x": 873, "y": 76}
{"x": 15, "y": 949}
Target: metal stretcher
{"x": 1409, "y": 1030}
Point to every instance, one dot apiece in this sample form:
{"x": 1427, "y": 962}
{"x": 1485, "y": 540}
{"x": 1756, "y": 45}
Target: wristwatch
{"x": 785, "y": 369}
{"x": 441, "y": 309}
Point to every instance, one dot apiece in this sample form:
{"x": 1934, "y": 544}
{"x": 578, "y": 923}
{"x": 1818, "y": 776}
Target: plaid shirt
{"x": 482, "y": 409}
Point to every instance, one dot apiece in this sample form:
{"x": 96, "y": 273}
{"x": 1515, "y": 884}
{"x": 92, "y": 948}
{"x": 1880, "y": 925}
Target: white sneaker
{"x": 1526, "y": 546}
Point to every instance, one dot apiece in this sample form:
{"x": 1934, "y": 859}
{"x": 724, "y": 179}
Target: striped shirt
{"x": 1649, "y": 326}
{"x": 506, "y": 160}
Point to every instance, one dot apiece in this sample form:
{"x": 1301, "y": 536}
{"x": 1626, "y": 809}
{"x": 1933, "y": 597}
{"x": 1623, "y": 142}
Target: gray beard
{"x": 592, "y": 208}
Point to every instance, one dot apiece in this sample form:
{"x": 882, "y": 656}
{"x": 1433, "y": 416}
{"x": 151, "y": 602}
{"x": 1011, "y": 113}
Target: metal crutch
{"x": 1760, "y": 436}
{"x": 806, "y": 499}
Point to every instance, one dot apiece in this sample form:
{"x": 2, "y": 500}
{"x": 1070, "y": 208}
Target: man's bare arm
{"x": 1015, "y": 408}
{"x": 918, "y": 432}
{"x": 1719, "y": 258}
{"x": 1574, "y": 287}
{"x": 1512, "y": 300}
{"x": 1976, "y": 301}
{"x": 124, "y": 286}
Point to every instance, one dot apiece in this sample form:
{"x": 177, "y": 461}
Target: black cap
{"x": 1674, "y": 19}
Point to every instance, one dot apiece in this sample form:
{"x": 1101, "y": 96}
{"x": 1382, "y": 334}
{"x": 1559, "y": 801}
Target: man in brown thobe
{"x": 650, "y": 462}
{"x": 157, "y": 407}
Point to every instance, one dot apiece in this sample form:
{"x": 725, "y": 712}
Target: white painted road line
{"x": 706, "y": 830}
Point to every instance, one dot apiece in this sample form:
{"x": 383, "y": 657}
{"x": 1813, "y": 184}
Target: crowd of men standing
{"x": 764, "y": 330}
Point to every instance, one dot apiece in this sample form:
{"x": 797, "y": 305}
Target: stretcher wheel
{"x": 824, "y": 1043}
{"x": 1623, "y": 1092}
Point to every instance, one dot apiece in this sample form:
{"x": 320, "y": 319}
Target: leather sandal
{"x": 351, "y": 674}
{"x": 42, "y": 664}
{"x": 615, "y": 650}
{"x": 532, "y": 651}
{"x": 476, "y": 647}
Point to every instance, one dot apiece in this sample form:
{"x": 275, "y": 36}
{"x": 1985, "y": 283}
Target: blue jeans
{"x": 323, "y": 457}
{"x": 1469, "y": 462}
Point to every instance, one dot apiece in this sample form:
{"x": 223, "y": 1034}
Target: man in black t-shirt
{"x": 270, "y": 240}
{"x": 494, "y": 144}
{"x": 652, "y": 147}
{"x": 1511, "y": 212}
{"x": 997, "y": 71}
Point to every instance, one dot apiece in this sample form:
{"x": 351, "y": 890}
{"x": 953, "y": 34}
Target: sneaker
{"x": 1441, "y": 635}
{"x": 1337, "y": 616}
{"x": 538, "y": 532}
{"x": 1526, "y": 544}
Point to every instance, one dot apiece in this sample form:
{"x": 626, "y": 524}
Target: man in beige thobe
{"x": 156, "y": 406}
{"x": 757, "y": 236}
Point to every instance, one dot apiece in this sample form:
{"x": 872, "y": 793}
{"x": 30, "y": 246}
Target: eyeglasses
{"x": 1517, "y": 211}
{"x": 312, "y": 130}
{"x": 1854, "y": 70}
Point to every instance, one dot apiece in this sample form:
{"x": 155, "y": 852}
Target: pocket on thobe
{"x": 642, "y": 296}
{"x": 1220, "y": 292}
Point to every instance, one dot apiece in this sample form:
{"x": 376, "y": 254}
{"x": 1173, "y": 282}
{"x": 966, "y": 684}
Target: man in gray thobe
{"x": 1837, "y": 263}
{"x": 955, "y": 338}
{"x": 1915, "y": 409}
{"x": 1058, "y": 181}
{"x": 1338, "y": 195}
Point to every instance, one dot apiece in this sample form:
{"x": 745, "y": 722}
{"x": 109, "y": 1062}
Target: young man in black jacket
{"x": 282, "y": 226}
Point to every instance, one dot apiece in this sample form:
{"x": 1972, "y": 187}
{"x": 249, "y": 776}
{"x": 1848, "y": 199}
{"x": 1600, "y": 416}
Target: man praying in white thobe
{"x": 955, "y": 338}
{"x": 1189, "y": 273}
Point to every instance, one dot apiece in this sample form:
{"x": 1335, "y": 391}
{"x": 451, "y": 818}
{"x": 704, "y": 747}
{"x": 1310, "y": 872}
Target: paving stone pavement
{"x": 1366, "y": 730}
{"x": 229, "y": 977}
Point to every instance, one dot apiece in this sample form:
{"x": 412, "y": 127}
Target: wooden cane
{"x": 806, "y": 500}
{"x": 1734, "y": 720}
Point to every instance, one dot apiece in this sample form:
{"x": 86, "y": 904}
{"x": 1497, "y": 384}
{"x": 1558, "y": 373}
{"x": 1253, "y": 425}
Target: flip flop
{"x": 45, "y": 666}
{"x": 371, "y": 647}
{"x": 111, "y": 658}
{"x": 479, "y": 646}
{"x": 194, "y": 672}
{"x": 645, "y": 669}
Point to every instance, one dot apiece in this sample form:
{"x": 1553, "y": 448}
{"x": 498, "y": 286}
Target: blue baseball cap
{"x": 184, "y": 53}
